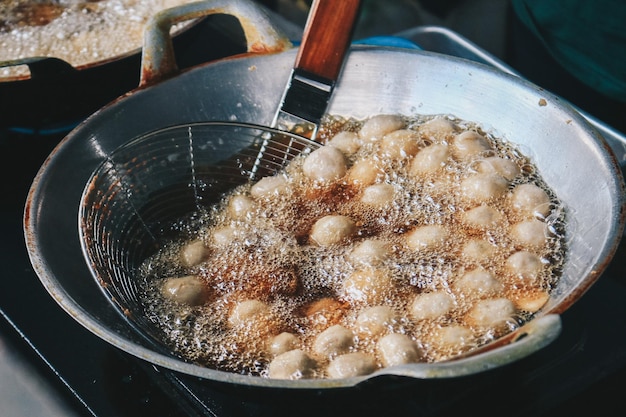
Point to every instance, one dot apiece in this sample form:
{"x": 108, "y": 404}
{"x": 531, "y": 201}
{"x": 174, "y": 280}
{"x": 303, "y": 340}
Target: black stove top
{"x": 580, "y": 372}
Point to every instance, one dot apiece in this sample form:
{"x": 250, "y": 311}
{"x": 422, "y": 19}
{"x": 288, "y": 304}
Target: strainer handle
{"x": 158, "y": 61}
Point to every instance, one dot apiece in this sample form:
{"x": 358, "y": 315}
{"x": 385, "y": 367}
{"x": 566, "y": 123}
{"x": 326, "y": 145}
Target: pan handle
{"x": 531, "y": 337}
{"x": 158, "y": 61}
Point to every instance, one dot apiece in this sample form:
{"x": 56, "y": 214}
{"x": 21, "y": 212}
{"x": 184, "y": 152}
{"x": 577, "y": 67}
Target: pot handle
{"x": 158, "y": 60}
{"x": 531, "y": 337}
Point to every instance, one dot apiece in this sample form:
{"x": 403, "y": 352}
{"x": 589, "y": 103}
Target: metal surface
{"x": 448, "y": 42}
{"x": 327, "y": 36}
{"x": 571, "y": 157}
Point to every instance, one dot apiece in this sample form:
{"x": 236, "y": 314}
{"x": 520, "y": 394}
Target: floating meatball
{"x": 429, "y": 160}
{"x": 223, "y": 236}
{"x": 294, "y": 364}
{"x": 372, "y": 285}
{"x": 438, "y": 128}
{"x": 373, "y": 321}
{"x": 484, "y": 187}
{"x": 351, "y": 365}
{"x": 431, "y": 305}
{"x": 371, "y": 252}
{"x": 497, "y": 165}
{"x": 240, "y": 207}
{"x": 194, "y": 253}
{"x": 483, "y": 217}
{"x": 378, "y": 194}
{"x": 530, "y": 200}
{"x": 325, "y": 164}
{"x": 347, "y": 142}
{"x": 365, "y": 172}
{"x": 478, "y": 250}
{"x": 248, "y": 311}
{"x": 190, "y": 290}
{"x": 268, "y": 186}
{"x": 478, "y": 282}
{"x": 524, "y": 264}
{"x": 332, "y": 229}
{"x": 531, "y": 301}
{"x": 283, "y": 342}
{"x": 333, "y": 341}
{"x": 426, "y": 237}
{"x": 531, "y": 233}
{"x": 491, "y": 312}
{"x": 378, "y": 126}
{"x": 398, "y": 349}
{"x": 454, "y": 338}
{"x": 399, "y": 144}
{"x": 469, "y": 144}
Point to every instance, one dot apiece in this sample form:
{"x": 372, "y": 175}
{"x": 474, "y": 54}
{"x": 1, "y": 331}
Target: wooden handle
{"x": 327, "y": 36}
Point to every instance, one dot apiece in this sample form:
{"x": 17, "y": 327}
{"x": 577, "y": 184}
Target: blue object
{"x": 394, "y": 41}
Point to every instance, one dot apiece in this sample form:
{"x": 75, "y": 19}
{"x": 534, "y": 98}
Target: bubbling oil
{"x": 302, "y": 287}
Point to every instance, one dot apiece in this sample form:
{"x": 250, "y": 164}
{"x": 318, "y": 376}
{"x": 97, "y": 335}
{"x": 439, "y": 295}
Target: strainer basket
{"x": 136, "y": 198}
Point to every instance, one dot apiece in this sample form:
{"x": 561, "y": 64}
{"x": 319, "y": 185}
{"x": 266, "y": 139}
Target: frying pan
{"x": 570, "y": 155}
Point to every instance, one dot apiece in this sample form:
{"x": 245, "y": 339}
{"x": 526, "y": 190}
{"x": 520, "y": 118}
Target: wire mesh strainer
{"x": 132, "y": 202}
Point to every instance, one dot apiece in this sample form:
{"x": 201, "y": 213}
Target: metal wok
{"x": 570, "y": 155}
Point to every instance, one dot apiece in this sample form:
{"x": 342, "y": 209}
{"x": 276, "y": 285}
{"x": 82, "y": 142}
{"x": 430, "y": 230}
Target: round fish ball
{"x": 248, "y": 311}
{"x": 325, "y": 164}
{"x": 468, "y": 144}
{"x": 478, "y": 250}
{"x": 531, "y": 301}
{"x": 524, "y": 264}
{"x": 375, "y": 320}
{"x": 426, "y": 237}
{"x": 430, "y": 159}
{"x": 190, "y": 290}
{"x": 194, "y": 253}
{"x": 371, "y": 252}
{"x": 532, "y": 233}
{"x": 332, "y": 229}
{"x": 351, "y": 365}
{"x": 224, "y": 236}
{"x": 347, "y": 142}
{"x": 438, "y": 128}
{"x": 484, "y": 187}
{"x": 372, "y": 285}
{"x": 378, "y": 126}
{"x": 530, "y": 200}
{"x": 364, "y": 172}
{"x": 482, "y": 217}
{"x": 478, "y": 282}
{"x": 268, "y": 186}
{"x": 294, "y": 364}
{"x": 378, "y": 194}
{"x": 491, "y": 312}
{"x": 400, "y": 144}
{"x": 333, "y": 341}
{"x": 283, "y": 342}
{"x": 398, "y": 349}
{"x": 431, "y": 305}
{"x": 455, "y": 336}
{"x": 501, "y": 166}
{"x": 240, "y": 207}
